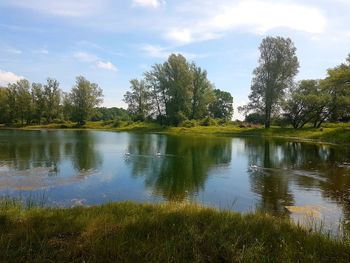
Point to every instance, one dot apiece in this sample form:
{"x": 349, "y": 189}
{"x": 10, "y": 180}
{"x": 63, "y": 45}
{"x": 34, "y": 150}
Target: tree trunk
{"x": 267, "y": 118}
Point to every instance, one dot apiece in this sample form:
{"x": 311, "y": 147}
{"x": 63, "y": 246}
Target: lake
{"x": 285, "y": 178}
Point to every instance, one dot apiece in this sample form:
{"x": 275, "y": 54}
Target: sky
{"x": 110, "y": 42}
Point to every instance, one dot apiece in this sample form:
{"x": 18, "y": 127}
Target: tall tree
{"x": 202, "y": 93}
{"x": 39, "y": 102}
{"x": 4, "y": 109}
{"x": 52, "y": 94}
{"x": 278, "y": 64}
{"x": 67, "y": 106}
{"x": 20, "y": 100}
{"x": 178, "y": 86}
{"x": 138, "y": 99}
{"x": 84, "y": 97}
{"x": 222, "y": 105}
{"x": 155, "y": 80}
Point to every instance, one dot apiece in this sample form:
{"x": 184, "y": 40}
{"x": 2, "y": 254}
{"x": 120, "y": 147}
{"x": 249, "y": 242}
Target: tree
{"x": 138, "y": 99}
{"x": 4, "y": 109}
{"x": 337, "y": 85}
{"x": 307, "y": 102}
{"x": 255, "y": 118}
{"x": 52, "y": 95}
{"x": 39, "y": 102}
{"x": 178, "y": 86}
{"x": 222, "y": 105}
{"x": 155, "y": 80}
{"x": 84, "y": 97}
{"x": 20, "y": 101}
{"x": 113, "y": 113}
{"x": 67, "y": 106}
{"x": 278, "y": 64}
{"x": 202, "y": 93}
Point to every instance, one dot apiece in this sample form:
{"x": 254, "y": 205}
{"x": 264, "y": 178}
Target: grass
{"x": 329, "y": 133}
{"x": 171, "y": 232}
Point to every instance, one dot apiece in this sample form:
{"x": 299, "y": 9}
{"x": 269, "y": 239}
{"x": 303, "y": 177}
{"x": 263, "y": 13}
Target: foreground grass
{"x": 128, "y": 232}
{"x": 329, "y": 133}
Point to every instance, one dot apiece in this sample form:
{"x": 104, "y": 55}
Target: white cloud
{"x": 182, "y": 35}
{"x": 148, "y": 3}
{"x": 7, "y": 77}
{"x": 91, "y": 58}
{"x": 106, "y": 65}
{"x": 253, "y": 15}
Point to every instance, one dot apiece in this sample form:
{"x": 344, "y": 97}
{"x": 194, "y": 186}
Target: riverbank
{"x": 329, "y": 133}
{"x": 171, "y": 232}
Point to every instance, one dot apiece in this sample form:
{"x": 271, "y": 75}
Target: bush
{"x": 255, "y": 118}
{"x": 188, "y": 123}
{"x": 281, "y": 121}
{"x": 109, "y": 122}
{"x": 58, "y": 121}
{"x": 222, "y": 121}
{"x": 117, "y": 123}
{"x": 208, "y": 121}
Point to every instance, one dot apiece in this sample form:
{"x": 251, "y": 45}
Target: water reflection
{"x": 263, "y": 173}
{"x": 29, "y": 158}
{"x": 289, "y": 170}
{"x": 176, "y": 167}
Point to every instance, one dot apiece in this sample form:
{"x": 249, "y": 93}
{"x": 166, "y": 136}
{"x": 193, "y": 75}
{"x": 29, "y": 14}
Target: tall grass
{"x": 172, "y": 232}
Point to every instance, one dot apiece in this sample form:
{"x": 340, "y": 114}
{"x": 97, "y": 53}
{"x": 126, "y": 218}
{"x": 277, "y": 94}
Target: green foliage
{"x": 316, "y": 101}
{"x": 222, "y": 105}
{"x": 20, "y": 101}
{"x": 307, "y": 102}
{"x": 84, "y": 97}
{"x": 208, "y": 121}
{"x": 52, "y": 95}
{"x": 202, "y": 93}
{"x": 117, "y": 123}
{"x": 176, "y": 91}
{"x": 173, "y": 232}
{"x": 104, "y": 114}
{"x": 138, "y": 100}
{"x": 4, "y": 106}
{"x": 278, "y": 64}
{"x": 188, "y": 123}
{"x": 337, "y": 85}
{"x": 255, "y": 118}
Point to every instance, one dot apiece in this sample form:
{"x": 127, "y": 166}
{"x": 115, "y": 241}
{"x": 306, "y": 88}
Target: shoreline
{"x": 326, "y": 135}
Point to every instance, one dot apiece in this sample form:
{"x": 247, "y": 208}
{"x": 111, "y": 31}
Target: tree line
{"x": 38, "y": 103}
{"x": 275, "y": 94}
{"x": 176, "y": 91}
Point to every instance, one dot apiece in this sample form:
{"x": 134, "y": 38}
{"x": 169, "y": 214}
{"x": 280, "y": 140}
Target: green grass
{"x": 330, "y": 132}
{"x": 171, "y": 232}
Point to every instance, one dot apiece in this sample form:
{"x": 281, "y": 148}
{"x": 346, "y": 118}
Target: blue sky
{"x": 110, "y": 42}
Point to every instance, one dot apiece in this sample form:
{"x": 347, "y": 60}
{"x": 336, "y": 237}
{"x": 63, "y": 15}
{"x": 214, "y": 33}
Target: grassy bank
{"x": 128, "y": 232}
{"x": 329, "y": 133}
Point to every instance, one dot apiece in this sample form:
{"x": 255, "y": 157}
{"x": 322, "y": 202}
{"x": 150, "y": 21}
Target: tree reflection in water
{"x": 307, "y": 166}
{"x": 176, "y": 167}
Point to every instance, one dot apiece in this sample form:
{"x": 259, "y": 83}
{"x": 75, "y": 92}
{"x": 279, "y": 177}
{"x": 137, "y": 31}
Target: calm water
{"x": 244, "y": 174}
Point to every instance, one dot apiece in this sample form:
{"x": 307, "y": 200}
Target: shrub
{"x": 117, "y": 123}
{"x": 208, "y": 121}
{"x": 188, "y": 123}
{"x": 58, "y": 121}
